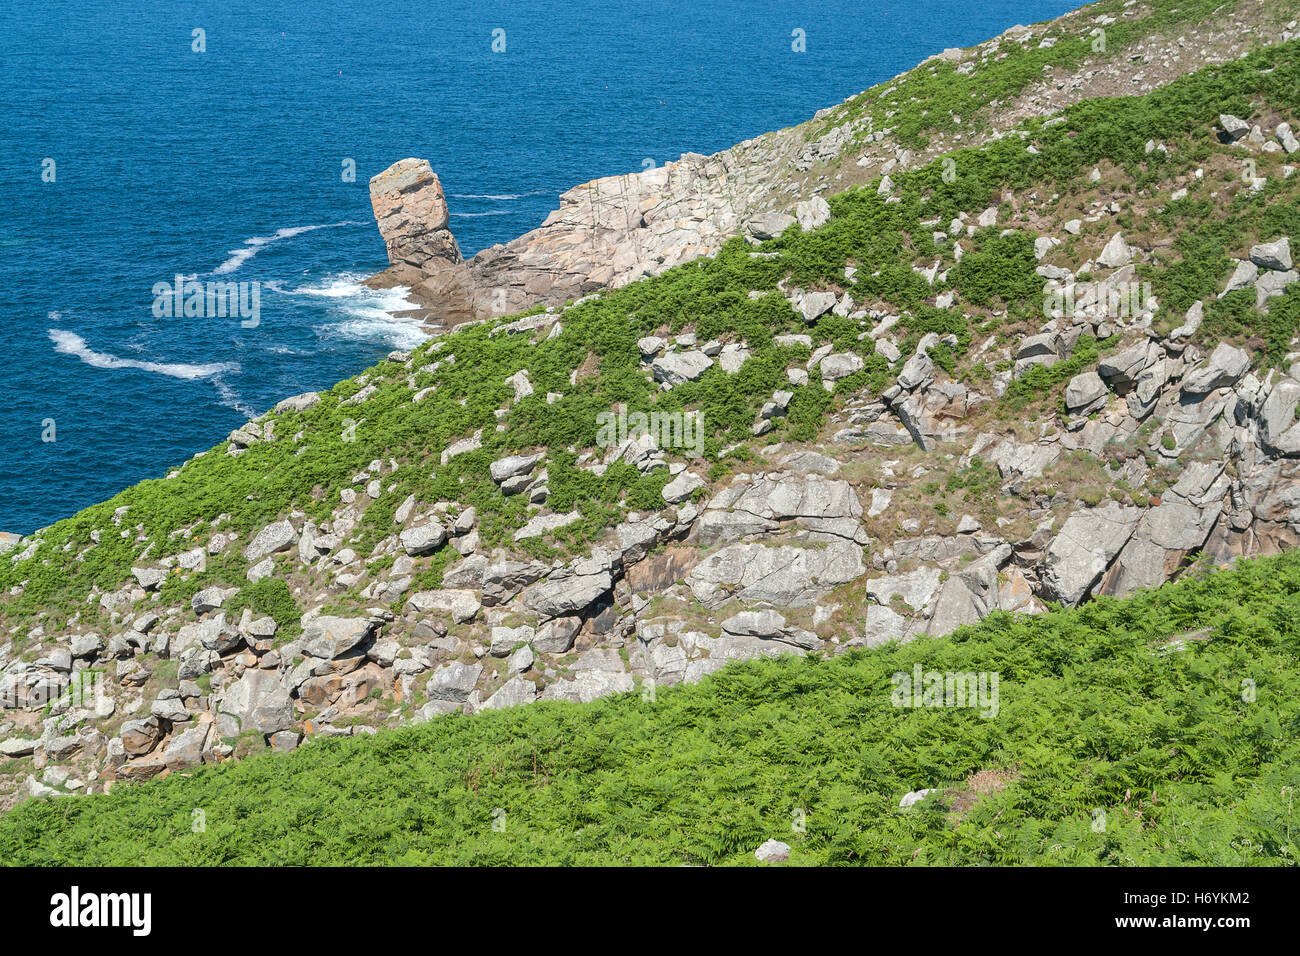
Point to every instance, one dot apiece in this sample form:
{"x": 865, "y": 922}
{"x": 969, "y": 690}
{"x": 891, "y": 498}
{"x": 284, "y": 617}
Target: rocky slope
{"x": 1051, "y": 366}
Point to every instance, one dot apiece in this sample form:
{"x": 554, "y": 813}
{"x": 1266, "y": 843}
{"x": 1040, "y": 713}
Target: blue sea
{"x": 127, "y": 157}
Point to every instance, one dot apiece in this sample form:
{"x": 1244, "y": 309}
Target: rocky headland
{"x": 922, "y": 405}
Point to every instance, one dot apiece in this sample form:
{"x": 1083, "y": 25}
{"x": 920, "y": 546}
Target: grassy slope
{"x": 923, "y": 102}
{"x": 311, "y": 458}
{"x": 1097, "y": 711}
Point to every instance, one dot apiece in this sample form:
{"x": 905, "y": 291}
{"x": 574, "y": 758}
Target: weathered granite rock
{"x": 513, "y": 466}
{"x": 504, "y": 579}
{"x": 732, "y": 357}
{"x": 1243, "y": 276}
{"x": 453, "y": 682}
{"x": 211, "y": 634}
{"x": 769, "y": 225}
{"x": 186, "y": 749}
{"x": 650, "y": 346}
{"x": 1232, "y": 128}
{"x": 1165, "y": 536}
{"x": 1278, "y": 431}
{"x": 816, "y": 304}
{"x": 1084, "y": 390}
{"x": 169, "y": 709}
{"x": 412, "y": 214}
{"x": 882, "y": 625}
{"x": 1226, "y": 367}
{"x": 682, "y": 487}
{"x": 329, "y": 637}
{"x": 556, "y": 637}
{"x": 1273, "y": 255}
{"x": 139, "y": 737}
{"x": 209, "y": 599}
{"x": 461, "y": 603}
{"x": 567, "y": 594}
{"x": 812, "y": 214}
{"x": 932, "y": 414}
{"x": 15, "y": 747}
{"x": 766, "y": 623}
{"x": 463, "y": 446}
{"x": 969, "y": 595}
{"x": 678, "y": 367}
{"x": 1084, "y": 548}
{"x": 297, "y": 403}
{"x": 915, "y": 588}
{"x": 149, "y": 578}
{"x": 773, "y": 851}
{"x": 589, "y": 685}
{"x": 520, "y": 384}
{"x": 504, "y": 639}
{"x": 839, "y": 365}
{"x": 275, "y": 537}
{"x": 87, "y": 645}
{"x": 1286, "y": 136}
{"x": 1273, "y": 284}
{"x": 517, "y": 690}
{"x": 784, "y": 575}
{"x": 423, "y": 539}
{"x": 257, "y": 701}
{"x": 1122, "y": 369}
{"x": 1117, "y": 253}
{"x": 545, "y": 524}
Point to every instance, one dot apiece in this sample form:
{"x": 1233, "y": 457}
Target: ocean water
{"x": 228, "y": 164}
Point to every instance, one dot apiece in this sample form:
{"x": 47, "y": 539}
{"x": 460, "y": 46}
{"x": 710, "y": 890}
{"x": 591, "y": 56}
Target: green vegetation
{"x": 271, "y": 597}
{"x": 734, "y": 296}
{"x": 977, "y": 479}
{"x": 999, "y": 269}
{"x": 940, "y": 98}
{"x": 1189, "y": 743}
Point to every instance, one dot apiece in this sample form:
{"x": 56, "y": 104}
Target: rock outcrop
{"x": 413, "y": 218}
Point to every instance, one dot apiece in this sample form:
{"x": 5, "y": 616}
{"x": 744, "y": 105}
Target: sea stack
{"x": 411, "y": 212}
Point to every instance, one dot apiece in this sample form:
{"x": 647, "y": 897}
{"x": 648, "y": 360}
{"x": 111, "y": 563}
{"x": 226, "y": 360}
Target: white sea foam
{"x": 69, "y": 343}
{"x": 363, "y": 313}
{"x": 376, "y": 326}
{"x": 255, "y": 245}
{"x": 475, "y": 215}
{"x": 349, "y": 285}
{"x": 230, "y": 398}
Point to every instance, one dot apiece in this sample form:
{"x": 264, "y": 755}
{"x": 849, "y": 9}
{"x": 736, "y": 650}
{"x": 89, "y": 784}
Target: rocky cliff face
{"x": 928, "y": 418}
{"x": 618, "y": 229}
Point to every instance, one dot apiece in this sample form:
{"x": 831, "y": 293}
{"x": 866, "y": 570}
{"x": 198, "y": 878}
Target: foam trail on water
{"x": 501, "y": 197}
{"x": 69, "y": 343}
{"x": 230, "y": 398}
{"x": 255, "y": 245}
